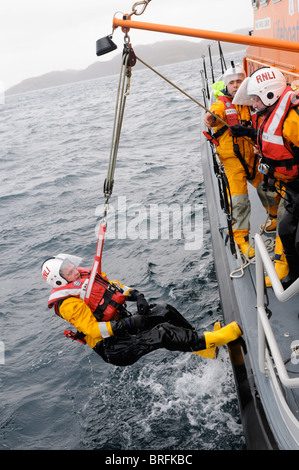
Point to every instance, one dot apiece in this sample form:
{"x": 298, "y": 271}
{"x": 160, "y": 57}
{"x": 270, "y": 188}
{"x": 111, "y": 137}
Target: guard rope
{"x": 247, "y": 261}
{"x": 179, "y": 89}
{"x": 190, "y": 97}
{"x": 239, "y": 272}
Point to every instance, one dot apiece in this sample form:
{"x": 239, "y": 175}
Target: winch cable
{"x": 122, "y": 93}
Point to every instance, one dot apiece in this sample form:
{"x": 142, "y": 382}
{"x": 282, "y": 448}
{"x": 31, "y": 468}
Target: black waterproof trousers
{"x": 289, "y": 232}
{"x": 164, "y": 327}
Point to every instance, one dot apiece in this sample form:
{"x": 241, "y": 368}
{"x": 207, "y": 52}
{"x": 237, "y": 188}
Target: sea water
{"x": 55, "y": 147}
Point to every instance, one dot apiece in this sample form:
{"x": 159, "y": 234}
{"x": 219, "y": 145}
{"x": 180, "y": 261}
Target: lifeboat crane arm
{"x": 126, "y": 24}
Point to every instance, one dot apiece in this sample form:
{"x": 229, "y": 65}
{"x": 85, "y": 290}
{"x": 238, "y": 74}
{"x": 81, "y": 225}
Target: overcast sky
{"x": 40, "y": 36}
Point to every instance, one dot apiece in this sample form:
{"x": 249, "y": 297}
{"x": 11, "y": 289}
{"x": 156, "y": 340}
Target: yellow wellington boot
{"x": 270, "y": 226}
{"x": 242, "y": 240}
{"x": 225, "y": 335}
{"x": 247, "y": 250}
{"x": 280, "y": 262}
{"x": 210, "y": 353}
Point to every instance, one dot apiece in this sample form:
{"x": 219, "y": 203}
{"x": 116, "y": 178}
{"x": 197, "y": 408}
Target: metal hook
{"x": 144, "y": 3}
{"x": 137, "y": 4}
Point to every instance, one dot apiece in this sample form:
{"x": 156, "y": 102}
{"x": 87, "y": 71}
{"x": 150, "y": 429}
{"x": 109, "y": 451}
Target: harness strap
{"x": 97, "y": 264}
{"x": 220, "y": 132}
{"x": 242, "y": 161}
{"x": 213, "y": 138}
{"x": 287, "y": 162}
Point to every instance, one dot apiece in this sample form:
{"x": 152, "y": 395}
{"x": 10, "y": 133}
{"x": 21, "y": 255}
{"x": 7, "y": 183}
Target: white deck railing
{"x": 265, "y": 332}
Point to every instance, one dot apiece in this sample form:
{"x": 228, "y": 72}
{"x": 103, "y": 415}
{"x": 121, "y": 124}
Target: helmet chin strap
{"x": 266, "y": 110}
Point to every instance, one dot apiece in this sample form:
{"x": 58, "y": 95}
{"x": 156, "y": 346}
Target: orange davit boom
{"x": 211, "y": 35}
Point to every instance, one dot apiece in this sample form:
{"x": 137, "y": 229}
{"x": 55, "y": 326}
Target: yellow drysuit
{"x": 236, "y": 173}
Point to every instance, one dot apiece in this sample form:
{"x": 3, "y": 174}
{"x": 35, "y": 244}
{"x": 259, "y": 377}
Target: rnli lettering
{"x": 45, "y": 273}
{"x": 265, "y": 76}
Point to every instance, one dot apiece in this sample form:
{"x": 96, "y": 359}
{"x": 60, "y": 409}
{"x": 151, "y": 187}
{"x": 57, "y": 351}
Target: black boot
{"x": 293, "y": 262}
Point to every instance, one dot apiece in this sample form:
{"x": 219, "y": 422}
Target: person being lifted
{"x": 104, "y": 323}
{"x": 238, "y": 158}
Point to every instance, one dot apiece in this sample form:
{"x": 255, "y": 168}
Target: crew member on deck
{"x": 278, "y": 146}
{"x": 109, "y": 329}
{"x": 238, "y": 158}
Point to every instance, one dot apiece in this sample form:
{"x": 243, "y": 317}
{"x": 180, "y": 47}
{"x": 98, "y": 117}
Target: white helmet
{"x": 51, "y": 269}
{"x": 268, "y": 83}
{"x": 233, "y": 73}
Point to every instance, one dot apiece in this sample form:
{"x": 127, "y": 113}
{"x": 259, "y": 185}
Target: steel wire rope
{"x": 120, "y": 105}
{"x": 122, "y": 93}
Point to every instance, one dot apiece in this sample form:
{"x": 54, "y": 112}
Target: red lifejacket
{"x": 281, "y": 160}
{"x": 231, "y": 112}
{"x": 105, "y": 299}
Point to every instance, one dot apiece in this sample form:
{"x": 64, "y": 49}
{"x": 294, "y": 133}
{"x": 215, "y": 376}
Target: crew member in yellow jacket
{"x": 238, "y": 158}
{"x": 119, "y": 337}
{"x": 277, "y": 105}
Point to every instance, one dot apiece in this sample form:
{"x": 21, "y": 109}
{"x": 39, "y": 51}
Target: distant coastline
{"x": 160, "y": 53}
